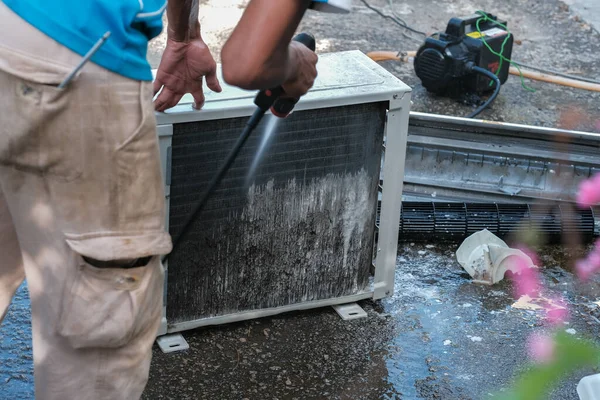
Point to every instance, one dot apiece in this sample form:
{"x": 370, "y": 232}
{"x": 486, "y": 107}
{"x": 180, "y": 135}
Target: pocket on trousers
{"x": 41, "y": 130}
{"x": 106, "y": 306}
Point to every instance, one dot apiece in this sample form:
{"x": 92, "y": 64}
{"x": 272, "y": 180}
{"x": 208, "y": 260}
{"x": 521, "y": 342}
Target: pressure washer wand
{"x": 265, "y": 100}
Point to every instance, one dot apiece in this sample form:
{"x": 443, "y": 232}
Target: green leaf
{"x": 570, "y": 354}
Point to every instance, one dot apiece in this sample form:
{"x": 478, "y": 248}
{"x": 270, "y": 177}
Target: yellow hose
{"x": 538, "y": 76}
{"x": 391, "y": 55}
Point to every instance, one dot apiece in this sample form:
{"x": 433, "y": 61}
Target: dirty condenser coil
{"x": 300, "y": 232}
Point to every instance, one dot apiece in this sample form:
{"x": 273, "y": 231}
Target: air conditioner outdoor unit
{"x": 301, "y": 232}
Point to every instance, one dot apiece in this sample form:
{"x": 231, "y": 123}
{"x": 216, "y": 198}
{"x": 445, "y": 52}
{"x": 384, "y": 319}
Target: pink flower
{"x": 557, "y": 311}
{"x": 590, "y": 265}
{"x": 584, "y": 269}
{"x": 540, "y": 348}
{"x": 594, "y": 259}
{"x": 526, "y": 278}
{"x": 527, "y": 282}
{"x": 530, "y": 253}
{"x": 589, "y": 192}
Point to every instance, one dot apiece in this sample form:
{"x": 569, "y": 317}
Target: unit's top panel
{"x": 344, "y": 78}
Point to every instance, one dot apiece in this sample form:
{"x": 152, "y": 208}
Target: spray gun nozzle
{"x": 283, "y": 107}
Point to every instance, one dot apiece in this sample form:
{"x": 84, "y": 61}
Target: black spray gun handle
{"x": 269, "y": 99}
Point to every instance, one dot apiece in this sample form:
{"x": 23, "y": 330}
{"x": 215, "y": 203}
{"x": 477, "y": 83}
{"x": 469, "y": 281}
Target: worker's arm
{"x": 186, "y": 59}
{"x": 259, "y": 55}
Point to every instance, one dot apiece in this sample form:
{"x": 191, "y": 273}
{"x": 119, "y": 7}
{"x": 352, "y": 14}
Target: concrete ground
{"x": 589, "y": 8}
{"x": 439, "y": 336}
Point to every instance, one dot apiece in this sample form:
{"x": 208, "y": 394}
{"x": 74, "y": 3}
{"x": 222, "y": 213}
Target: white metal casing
{"x": 344, "y": 78}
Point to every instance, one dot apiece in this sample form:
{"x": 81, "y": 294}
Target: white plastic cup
{"x": 589, "y": 388}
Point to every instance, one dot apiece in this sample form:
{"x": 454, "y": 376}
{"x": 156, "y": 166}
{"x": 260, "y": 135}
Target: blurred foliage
{"x": 570, "y": 354}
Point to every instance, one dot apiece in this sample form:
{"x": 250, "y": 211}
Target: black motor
{"x": 451, "y": 63}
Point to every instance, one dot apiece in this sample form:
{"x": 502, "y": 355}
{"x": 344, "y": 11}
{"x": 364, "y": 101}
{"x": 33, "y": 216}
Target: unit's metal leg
{"x": 171, "y": 343}
{"x": 350, "y": 311}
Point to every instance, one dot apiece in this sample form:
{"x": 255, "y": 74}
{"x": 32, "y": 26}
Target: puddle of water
{"x": 423, "y": 321}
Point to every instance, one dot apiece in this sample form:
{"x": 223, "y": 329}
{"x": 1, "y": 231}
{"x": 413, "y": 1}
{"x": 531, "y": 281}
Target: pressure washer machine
{"x": 467, "y": 58}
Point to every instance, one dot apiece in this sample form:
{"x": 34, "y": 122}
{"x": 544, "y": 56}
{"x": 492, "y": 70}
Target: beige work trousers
{"x": 81, "y": 195}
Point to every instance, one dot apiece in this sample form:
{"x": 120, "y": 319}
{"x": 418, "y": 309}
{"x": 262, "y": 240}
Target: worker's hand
{"x": 305, "y": 73}
{"x": 182, "y": 69}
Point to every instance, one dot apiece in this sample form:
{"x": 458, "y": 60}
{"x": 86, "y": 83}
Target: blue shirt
{"x": 79, "y": 24}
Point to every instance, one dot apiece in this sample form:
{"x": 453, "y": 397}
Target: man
{"x": 81, "y": 195}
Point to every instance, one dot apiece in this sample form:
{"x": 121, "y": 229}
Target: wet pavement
{"x": 16, "y": 359}
{"x": 439, "y": 336}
